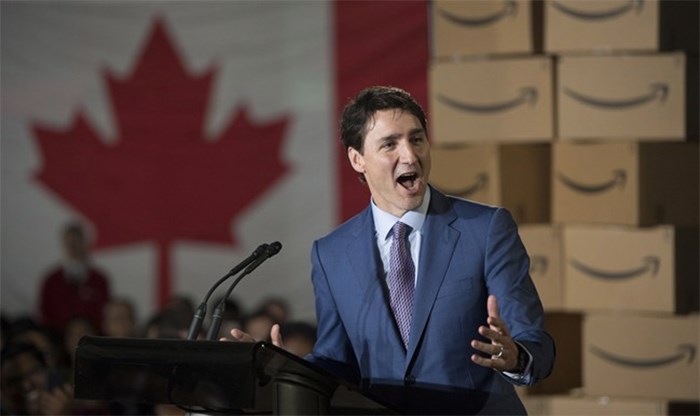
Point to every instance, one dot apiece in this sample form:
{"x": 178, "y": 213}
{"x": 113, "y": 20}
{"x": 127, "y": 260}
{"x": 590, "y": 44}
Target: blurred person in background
{"x": 29, "y": 386}
{"x": 75, "y": 287}
{"x": 172, "y": 321}
{"x": 258, "y": 325}
{"x": 26, "y": 330}
{"x": 119, "y": 319}
{"x": 275, "y": 307}
{"x": 165, "y": 325}
{"x": 299, "y": 337}
{"x": 180, "y": 305}
{"x": 76, "y": 328}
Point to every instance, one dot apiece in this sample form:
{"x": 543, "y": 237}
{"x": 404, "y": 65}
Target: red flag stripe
{"x": 376, "y": 43}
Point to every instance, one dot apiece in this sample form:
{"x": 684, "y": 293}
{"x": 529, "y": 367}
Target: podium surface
{"x": 212, "y": 377}
{"x": 253, "y": 378}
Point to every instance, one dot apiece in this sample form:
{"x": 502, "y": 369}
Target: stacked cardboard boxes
{"x": 581, "y": 118}
{"x": 491, "y": 105}
{"x": 561, "y": 405}
{"x": 625, "y": 192}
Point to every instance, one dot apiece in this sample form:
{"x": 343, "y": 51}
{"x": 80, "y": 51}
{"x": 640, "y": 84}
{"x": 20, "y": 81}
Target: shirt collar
{"x": 383, "y": 221}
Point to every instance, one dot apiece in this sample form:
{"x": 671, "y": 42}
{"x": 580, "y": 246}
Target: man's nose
{"x": 407, "y": 152}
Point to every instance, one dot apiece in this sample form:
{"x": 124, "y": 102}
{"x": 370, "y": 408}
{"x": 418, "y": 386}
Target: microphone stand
{"x": 201, "y": 311}
{"x": 218, "y": 315}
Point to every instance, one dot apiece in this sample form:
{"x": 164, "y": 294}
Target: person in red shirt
{"x": 75, "y": 288}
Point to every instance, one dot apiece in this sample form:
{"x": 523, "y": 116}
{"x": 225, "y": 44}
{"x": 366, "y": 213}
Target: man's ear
{"x": 357, "y": 161}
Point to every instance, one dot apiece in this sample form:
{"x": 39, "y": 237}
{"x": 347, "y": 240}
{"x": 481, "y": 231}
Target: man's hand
{"x": 502, "y": 350}
{"x": 241, "y": 336}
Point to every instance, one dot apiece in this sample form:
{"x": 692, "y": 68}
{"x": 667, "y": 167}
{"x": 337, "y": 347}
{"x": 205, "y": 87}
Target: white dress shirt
{"x": 384, "y": 222}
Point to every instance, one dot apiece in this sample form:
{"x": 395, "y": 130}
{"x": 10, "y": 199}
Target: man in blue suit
{"x": 468, "y": 325}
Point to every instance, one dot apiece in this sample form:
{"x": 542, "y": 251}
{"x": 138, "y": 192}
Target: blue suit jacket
{"x": 468, "y": 251}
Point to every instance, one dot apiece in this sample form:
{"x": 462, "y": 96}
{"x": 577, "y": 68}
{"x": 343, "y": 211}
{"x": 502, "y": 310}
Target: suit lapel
{"x": 361, "y": 252}
{"x": 437, "y": 247}
{"x": 363, "y": 255}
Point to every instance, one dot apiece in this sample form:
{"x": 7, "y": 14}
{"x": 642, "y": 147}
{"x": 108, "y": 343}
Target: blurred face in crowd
{"x": 76, "y": 329}
{"x": 23, "y": 378}
{"x": 395, "y": 160}
{"x": 299, "y": 345}
{"x": 259, "y": 327}
{"x": 74, "y": 243}
{"x": 42, "y": 342}
{"x": 277, "y": 309}
{"x": 118, "y": 320}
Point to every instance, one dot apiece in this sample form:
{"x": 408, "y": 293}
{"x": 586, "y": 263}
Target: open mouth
{"x": 408, "y": 180}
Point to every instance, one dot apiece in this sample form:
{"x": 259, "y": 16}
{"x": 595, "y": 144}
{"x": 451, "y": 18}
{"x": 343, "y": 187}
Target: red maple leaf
{"x": 162, "y": 180}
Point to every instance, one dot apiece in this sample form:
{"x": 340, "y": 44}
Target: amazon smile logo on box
{"x": 510, "y": 8}
{"x": 603, "y": 14}
{"x": 658, "y": 91}
{"x": 686, "y": 352}
{"x": 527, "y": 96}
{"x": 481, "y": 182}
{"x": 650, "y": 266}
{"x": 619, "y": 177}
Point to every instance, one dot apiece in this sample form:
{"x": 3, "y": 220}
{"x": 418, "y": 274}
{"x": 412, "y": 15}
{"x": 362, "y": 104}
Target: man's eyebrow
{"x": 388, "y": 137}
{"x": 395, "y": 136}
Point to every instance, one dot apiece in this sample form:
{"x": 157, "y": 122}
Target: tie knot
{"x": 401, "y": 230}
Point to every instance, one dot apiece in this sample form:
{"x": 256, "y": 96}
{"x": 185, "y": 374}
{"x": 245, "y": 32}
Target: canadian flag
{"x": 185, "y": 134}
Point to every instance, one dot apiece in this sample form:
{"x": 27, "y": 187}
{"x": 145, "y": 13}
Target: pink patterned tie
{"x": 401, "y": 278}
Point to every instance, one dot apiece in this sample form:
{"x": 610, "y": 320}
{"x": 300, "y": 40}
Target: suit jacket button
{"x": 410, "y": 379}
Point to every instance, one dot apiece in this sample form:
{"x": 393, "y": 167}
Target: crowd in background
{"x": 38, "y": 351}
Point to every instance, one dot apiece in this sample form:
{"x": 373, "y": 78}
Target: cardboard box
{"x": 566, "y": 329}
{"x": 544, "y": 246}
{"x": 477, "y": 27}
{"x": 641, "y": 356}
{"x": 495, "y": 100}
{"x": 631, "y": 269}
{"x": 534, "y": 405}
{"x": 511, "y": 176}
{"x": 626, "y": 183}
{"x": 614, "y": 25}
{"x": 595, "y": 25}
{"x": 635, "y": 97}
{"x": 605, "y": 405}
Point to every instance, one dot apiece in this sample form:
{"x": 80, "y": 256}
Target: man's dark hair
{"x": 360, "y": 110}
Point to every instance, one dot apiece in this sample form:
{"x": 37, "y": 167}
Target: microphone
{"x": 201, "y": 312}
{"x": 217, "y": 316}
{"x": 271, "y": 250}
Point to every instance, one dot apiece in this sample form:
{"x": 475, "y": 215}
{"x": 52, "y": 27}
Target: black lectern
{"x": 212, "y": 377}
